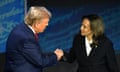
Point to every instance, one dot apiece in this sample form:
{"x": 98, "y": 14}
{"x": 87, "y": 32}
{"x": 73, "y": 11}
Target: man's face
{"x": 41, "y": 25}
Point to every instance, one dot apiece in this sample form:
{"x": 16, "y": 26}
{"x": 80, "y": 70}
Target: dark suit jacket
{"x": 23, "y": 52}
{"x": 101, "y": 59}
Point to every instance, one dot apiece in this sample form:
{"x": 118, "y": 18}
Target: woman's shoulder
{"x": 105, "y": 39}
{"x": 78, "y": 36}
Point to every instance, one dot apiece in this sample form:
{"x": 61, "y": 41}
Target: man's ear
{"x": 36, "y": 24}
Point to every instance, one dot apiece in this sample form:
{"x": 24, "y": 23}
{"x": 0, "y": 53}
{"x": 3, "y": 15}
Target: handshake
{"x": 59, "y": 53}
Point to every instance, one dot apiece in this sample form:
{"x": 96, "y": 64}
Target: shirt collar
{"x": 90, "y": 42}
{"x": 31, "y": 29}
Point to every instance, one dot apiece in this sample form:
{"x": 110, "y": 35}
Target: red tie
{"x": 36, "y": 36}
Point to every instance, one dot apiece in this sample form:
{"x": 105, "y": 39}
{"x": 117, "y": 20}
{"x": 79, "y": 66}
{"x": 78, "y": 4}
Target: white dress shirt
{"x": 88, "y": 47}
{"x": 31, "y": 29}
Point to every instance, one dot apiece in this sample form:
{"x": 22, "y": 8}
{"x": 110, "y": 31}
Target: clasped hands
{"x": 59, "y": 53}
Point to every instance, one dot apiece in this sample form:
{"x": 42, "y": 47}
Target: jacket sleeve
{"x": 110, "y": 58}
{"x": 70, "y": 56}
{"x": 31, "y": 52}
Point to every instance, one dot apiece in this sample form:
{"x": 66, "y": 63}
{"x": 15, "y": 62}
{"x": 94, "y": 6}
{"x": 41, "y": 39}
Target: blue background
{"x": 64, "y": 24}
{"x": 11, "y": 13}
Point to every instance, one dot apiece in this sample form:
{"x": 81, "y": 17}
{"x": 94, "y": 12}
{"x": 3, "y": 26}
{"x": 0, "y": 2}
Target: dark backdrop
{"x": 61, "y": 67}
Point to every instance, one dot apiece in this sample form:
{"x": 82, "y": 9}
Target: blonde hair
{"x": 36, "y": 12}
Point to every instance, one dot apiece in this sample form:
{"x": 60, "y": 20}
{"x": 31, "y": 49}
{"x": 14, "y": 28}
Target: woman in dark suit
{"x": 91, "y": 48}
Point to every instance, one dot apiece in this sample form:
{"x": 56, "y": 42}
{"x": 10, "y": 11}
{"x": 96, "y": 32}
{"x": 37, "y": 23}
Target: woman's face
{"x": 85, "y": 28}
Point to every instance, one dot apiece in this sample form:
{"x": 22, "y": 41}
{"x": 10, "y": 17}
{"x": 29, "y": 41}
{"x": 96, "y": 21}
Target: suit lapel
{"x": 92, "y": 52}
{"x": 83, "y": 46}
{"x": 29, "y": 32}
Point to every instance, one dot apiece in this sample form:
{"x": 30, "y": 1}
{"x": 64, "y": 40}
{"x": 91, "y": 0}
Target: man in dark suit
{"x": 23, "y": 52}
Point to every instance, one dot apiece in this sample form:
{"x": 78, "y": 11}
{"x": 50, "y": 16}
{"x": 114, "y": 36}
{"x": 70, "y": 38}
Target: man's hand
{"x": 59, "y": 53}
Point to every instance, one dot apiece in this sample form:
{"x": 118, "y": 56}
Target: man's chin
{"x": 42, "y": 31}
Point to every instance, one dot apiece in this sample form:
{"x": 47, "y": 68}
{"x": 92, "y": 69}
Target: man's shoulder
{"x": 19, "y": 30}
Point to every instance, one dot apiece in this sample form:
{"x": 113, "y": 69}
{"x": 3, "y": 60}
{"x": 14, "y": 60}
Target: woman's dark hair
{"x": 96, "y": 25}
